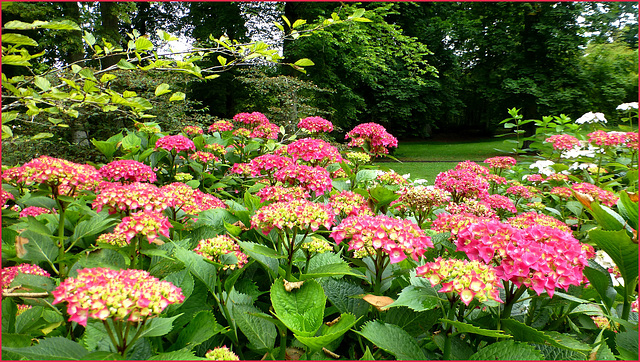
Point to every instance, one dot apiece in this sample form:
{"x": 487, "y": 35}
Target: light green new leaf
{"x": 18, "y": 39}
{"x": 143, "y": 44}
{"x": 177, "y": 96}
{"x": 162, "y": 89}
{"x": 329, "y": 334}
{"x": 42, "y": 83}
{"x": 158, "y": 327}
{"x": 89, "y": 38}
{"x": 304, "y": 62}
{"x": 123, "y": 64}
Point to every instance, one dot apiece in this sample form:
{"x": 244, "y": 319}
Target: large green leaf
{"x": 18, "y": 39}
{"x": 33, "y": 283}
{"x": 55, "y": 348}
{"x": 40, "y": 248}
{"x": 260, "y": 332}
{"x": 93, "y": 226}
{"x": 105, "y": 147}
{"x": 607, "y": 218}
{"x": 328, "y": 265}
{"x": 202, "y": 327}
{"x": 256, "y": 251}
{"x": 30, "y": 320}
{"x": 9, "y": 311}
{"x": 621, "y": 249}
{"x": 600, "y": 279}
{"x": 158, "y": 327}
{"x": 302, "y": 309}
{"x": 627, "y": 344}
{"x": 329, "y": 334}
{"x": 416, "y": 298}
{"x": 462, "y": 327}
{"x": 392, "y": 339}
{"x": 183, "y": 280}
{"x": 628, "y": 209}
{"x": 342, "y": 294}
{"x": 204, "y": 271}
{"x": 507, "y": 351}
{"x": 524, "y": 333}
{"x": 415, "y": 323}
{"x": 182, "y": 355}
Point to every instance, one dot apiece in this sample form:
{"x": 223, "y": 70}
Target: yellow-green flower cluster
{"x": 221, "y": 354}
{"x": 317, "y": 245}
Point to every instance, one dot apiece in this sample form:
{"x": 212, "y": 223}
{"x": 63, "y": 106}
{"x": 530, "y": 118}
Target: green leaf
{"x": 524, "y": 333}
{"x": 42, "y": 83}
{"x": 87, "y": 74}
{"x": 182, "y": 355}
{"x": 177, "y": 96}
{"x": 600, "y": 279}
{"x": 15, "y": 340}
{"x": 61, "y": 25}
{"x": 106, "y": 148}
{"x": 304, "y": 62}
{"x": 89, "y": 38}
{"x": 107, "y": 77}
{"x": 329, "y": 334}
{"x": 103, "y": 356}
{"x": 367, "y": 356}
{"x": 143, "y": 44}
{"x": 9, "y": 311}
{"x": 507, "y": 351}
{"x": 93, "y": 226}
{"x": 18, "y": 39}
{"x": 628, "y": 209}
{"x": 327, "y": 265}
{"x": 42, "y": 135}
{"x": 33, "y": 283}
{"x": 622, "y": 250}
{"x": 392, "y": 339}
{"x": 383, "y": 195}
{"x": 205, "y": 272}
{"x": 40, "y": 247}
{"x": 260, "y": 332}
{"x": 123, "y": 64}
{"x": 415, "y": 298}
{"x": 462, "y": 327}
{"x": 302, "y": 309}
{"x": 162, "y": 89}
{"x": 627, "y": 344}
{"x": 222, "y": 60}
{"x": 607, "y": 218}
{"x": 604, "y": 353}
{"x": 202, "y": 327}
{"x": 130, "y": 142}
{"x": 55, "y": 348}
{"x": 357, "y": 13}
{"x": 343, "y": 295}
{"x": 183, "y": 280}
{"x": 414, "y": 323}
{"x": 158, "y": 327}
{"x": 30, "y": 321}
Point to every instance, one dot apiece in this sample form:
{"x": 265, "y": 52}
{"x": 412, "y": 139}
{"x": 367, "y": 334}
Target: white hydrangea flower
{"x": 577, "y": 151}
{"x": 420, "y": 181}
{"x": 591, "y": 117}
{"x": 581, "y": 166}
{"x": 606, "y": 262}
{"x": 406, "y": 176}
{"x": 544, "y": 167}
{"x": 627, "y": 106}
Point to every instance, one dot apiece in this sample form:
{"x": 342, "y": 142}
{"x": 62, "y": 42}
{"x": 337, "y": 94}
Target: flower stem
{"x": 113, "y": 340}
{"x": 61, "y": 251}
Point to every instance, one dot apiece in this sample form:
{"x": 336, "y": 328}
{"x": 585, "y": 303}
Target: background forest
{"x": 418, "y": 69}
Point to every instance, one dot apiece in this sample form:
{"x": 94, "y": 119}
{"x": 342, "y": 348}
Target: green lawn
{"x": 448, "y": 154}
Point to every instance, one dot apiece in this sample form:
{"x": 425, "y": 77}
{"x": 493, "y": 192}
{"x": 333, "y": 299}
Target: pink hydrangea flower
{"x": 215, "y": 247}
{"x": 469, "y": 279}
{"x": 500, "y": 202}
{"x": 315, "y": 125}
{"x": 252, "y": 119}
{"x": 221, "y": 126}
{"x": 315, "y": 151}
{"x": 536, "y": 177}
{"x": 176, "y": 143}
{"x": 5, "y": 196}
{"x": 562, "y": 192}
{"x": 203, "y": 157}
{"x": 316, "y": 179}
{"x": 557, "y": 177}
{"x": 300, "y": 214}
{"x": 349, "y": 203}
{"x": 265, "y": 130}
{"x": 471, "y": 206}
{"x": 602, "y": 138}
{"x": 374, "y": 135}
{"x": 146, "y": 223}
{"x": 193, "y": 130}
{"x": 266, "y": 165}
{"x": 462, "y": 184}
{"x": 134, "y": 196}
{"x": 631, "y": 140}
{"x": 127, "y": 170}
{"x": 10, "y": 273}
{"x": 64, "y": 177}
{"x": 563, "y": 141}
{"x": 473, "y": 167}
{"x": 241, "y": 132}
{"x": 34, "y": 211}
{"x": 521, "y": 191}
{"x": 127, "y": 294}
{"x": 501, "y": 162}
{"x": 420, "y": 199}
{"x": 181, "y": 196}
{"x": 397, "y": 238}
{"x": 605, "y": 197}
{"x": 391, "y": 178}
{"x": 453, "y": 223}
{"x": 14, "y": 175}
{"x": 279, "y": 193}
{"x": 532, "y": 218}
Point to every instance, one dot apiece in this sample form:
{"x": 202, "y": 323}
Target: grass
{"x": 440, "y": 155}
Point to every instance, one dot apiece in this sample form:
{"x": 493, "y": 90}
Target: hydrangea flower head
{"x": 562, "y": 192}
{"x": 316, "y": 179}
{"x": 127, "y": 294}
{"x": 316, "y": 245}
{"x": 216, "y": 149}
{"x": 181, "y": 196}
{"x": 62, "y": 175}
{"x": 631, "y": 140}
{"x": 607, "y": 198}
{"x": 215, "y": 247}
{"x": 469, "y": 279}
{"x": 221, "y": 354}
{"x": 265, "y": 130}
{"x": 34, "y": 211}
{"x": 116, "y": 239}
{"x": 193, "y": 130}
{"x": 146, "y": 223}
{"x": 391, "y": 178}
{"x": 453, "y": 223}
{"x": 501, "y": 162}
{"x": 462, "y": 184}
{"x": 10, "y": 273}
{"x": 420, "y": 199}
{"x": 591, "y": 117}
{"x": 473, "y": 167}
{"x": 627, "y": 106}
{"x": 358, "y": 157}
{"x": 532, "y": 218}
{"x": 315, "y": 125}
{"x": 397, "y": 238}
{"x": 134, "y": 196}
{"x": 252, "y": 119}
{"x": 373, "y": 135}
{"x": 315, "y": 151}
{"x": 221, "y": 126}
{"x": 178, "y": 143}
{"x": 14, "y": 175}
{"x": 522, "y": 191}
{"x": 266, "y": 165}
{"x": 349, "y": 203}
{"x": 127, "y": 171}
{"x": 279, "y": 193}
{"x": 300, "y": 214}
{"x": 203, "y": 157}
{"x": 500, "y": 202}
{"x": 5, "y": 196}
{"x": 471, "y": 206}
{"x": 563, "y": 141}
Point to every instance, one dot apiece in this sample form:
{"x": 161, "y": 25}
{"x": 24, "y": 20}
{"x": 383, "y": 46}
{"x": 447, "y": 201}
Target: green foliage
{"x": 392, "y": 339}
{"x": 507, "y": 351}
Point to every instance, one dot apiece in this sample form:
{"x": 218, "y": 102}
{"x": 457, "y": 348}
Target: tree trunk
{"x": 109, "y": 31}
{"x": 72, "y": 12}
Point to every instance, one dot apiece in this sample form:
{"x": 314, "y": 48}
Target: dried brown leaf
{"x": 380, "y": 302}
{"x": 289, "y": 286}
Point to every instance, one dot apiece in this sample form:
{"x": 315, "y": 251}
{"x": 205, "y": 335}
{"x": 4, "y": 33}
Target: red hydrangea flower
{"x": 178, "y": 143}
{"x": 5, "y": 196}
{"x": 631, "y": 140}
{"x": 146, "y": 223}
{"x": 127, "y": 170}
{"x": 215, "y": 247}
{"x": 315, "y": 179}
{"x": 10, "y": 273}
{"x": 34, "y": 211}
{"x": 265, "y": 130}
{"x": 193, "y": 130}
{"x": 181, "y": 196}
{"x": 64, "y": 177}
{"x": 135, "y": 196}
{"x": 606, "y": 197}
{"x": 374, "y": 135}
{"x": 315, "y": 151}
{"x": 532, "y": 218}
{"x": 127, "y": 294}
{"x": 522, "y": 191}
{"x": 279, "y": 193}
{"x": 501, "y": 162}
{"x": 563, "y": 192}
{"x": 300, "y": 214}
{"x": 397, "y": 238}
{"x": 266, "y": 165}
{"x": 473, "y": 167}
{"x": 602, "y": 138}
{"x": 420, "y": 199}
{"x": 469, "y": 279}
{"x": 349, "y": 203}
{"x": 203, "y": 157}
{"x": 315, "y": 124}
{"x": 462, "y": 184}
{"x": 391, "y": 178}
{"x": 563, "y": 141}
{"x": 252, "y": 119}
{"x": 221, "y": 126}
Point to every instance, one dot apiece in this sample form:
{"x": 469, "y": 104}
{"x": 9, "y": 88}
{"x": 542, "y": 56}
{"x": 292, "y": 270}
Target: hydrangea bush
{"x": 243, "y": 242}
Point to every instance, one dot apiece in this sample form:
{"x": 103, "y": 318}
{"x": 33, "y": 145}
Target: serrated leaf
{"x": 55, "y": 348}
{"x": 204, "y": 271}
{"x": 414, "y": 323}
{"x": 392, "y": 339}
{"x": 9, "y": 311}
{"x": 600, "y": 279}
{"x": 462, "y": 327}
{"x": 177, "y": 96}
{"x": 328, "y": 264}
{"x": 507, "y": 351}
{"x": 627, "y": 344}
{"x": 522, "y": 332}
{"x": 40, "y": 248}
{"x": 162, "y": 89}
{"x": 260, "y": 332}
{"x": 33, "y": 283}
{"x": 93, "y": 226}
{"x": 342, "y": 294}
{"x": 176, "y": 356}
{"x": 304, "y": 62}
{"x": 202, "y": 327}
{"x": 30, "y": 321}
{"x": 415, "y": 298}
{"x": 329, "y": 334}
{"x": 628, "y": 209}
{"x": 158, "y": 327}
{"x": 301, "y": 310}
